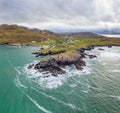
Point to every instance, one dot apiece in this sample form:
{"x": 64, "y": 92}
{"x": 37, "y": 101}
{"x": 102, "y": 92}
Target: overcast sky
{"x": 61, "y": 14}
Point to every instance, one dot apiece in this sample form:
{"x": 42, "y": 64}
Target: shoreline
{"x": 54, "y": 64}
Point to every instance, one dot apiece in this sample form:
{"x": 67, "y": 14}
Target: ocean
{"x": 96, "y": 89}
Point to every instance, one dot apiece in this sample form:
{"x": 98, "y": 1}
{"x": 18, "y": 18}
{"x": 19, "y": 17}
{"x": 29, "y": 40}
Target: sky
{"x": 61, "y": 14}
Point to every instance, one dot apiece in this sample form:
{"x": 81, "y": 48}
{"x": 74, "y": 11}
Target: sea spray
{"x": 49, "y": 81}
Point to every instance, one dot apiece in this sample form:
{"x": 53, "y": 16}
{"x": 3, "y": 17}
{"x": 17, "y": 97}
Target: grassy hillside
{"x": 54, "y": 43}
{"x": 14, "y": 34}
{"x": 76, "y": 43}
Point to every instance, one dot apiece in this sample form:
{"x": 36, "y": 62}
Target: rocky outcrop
{"x": 100, "y": 49}
{"x": 50, "y": 66}
{"x": 30, "y": 66}
{"x": 109, "y": 45}
{"x": 56, "y": 63}
{"x": 79, "y": 64}
{"x": 4, "y": 43}
{"x": 92, "y": 56}
{"x": 82, "y": 50}
{"x": 36, "y": 54}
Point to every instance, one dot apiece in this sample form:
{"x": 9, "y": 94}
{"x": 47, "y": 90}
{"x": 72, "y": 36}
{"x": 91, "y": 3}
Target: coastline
{"x": 62, "y": 49}
{"x": 55, "y": 63}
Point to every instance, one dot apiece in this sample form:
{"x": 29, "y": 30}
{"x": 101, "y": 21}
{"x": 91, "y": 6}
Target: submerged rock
{"x": 36, "y": 54}
{"x": 92, "y": 56}
{"x": 101, "y": 49}
{"x": 30, "y": 66}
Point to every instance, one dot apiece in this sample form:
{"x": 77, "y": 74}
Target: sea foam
{"x": 37, "y": 105}
{"x": 51, "y": 81}
{"x": 108, "y": 54}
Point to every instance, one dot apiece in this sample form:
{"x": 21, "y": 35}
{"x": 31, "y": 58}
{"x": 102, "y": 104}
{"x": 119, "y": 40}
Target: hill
{"x": 14, "y": 34}
{"x": 84, "y": 34}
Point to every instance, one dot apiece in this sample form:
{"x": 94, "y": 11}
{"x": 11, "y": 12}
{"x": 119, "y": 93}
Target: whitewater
{"x": 95, "y": 89}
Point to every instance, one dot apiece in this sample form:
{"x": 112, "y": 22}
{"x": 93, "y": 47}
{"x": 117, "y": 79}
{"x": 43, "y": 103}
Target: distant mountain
{"x": 107, "y": 31}
{"x": 84, "y": 34}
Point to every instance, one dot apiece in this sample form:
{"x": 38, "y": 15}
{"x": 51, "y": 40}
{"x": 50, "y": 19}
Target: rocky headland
{"x": 56, "y": 64}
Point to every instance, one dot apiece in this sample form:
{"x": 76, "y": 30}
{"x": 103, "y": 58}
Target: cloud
{"x": 61, "y": 14}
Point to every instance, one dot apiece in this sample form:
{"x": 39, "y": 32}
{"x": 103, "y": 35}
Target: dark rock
{"x": 35, "y": 53}
{"x": 46, "y": 76}
{"x": 54, "y": 75}
{"x": 100, "y": 49}
{"x": 92, "y": 46}
{"x": 110, "y": 45}
{"x": 4, "y": 43}
{"x": 41, "y": 71}
{"x": 92, "y": 56}
{"x": 88, "y": 49}
{"x": 83, "y": 55}
{"x": 82, "y": 50}
{"x": 56, "y": 70}
{"x": 30, "y": 66}
{"x": 46, "y": 73}
{"x": 79, "y": 65}
{"x": 50, "y": 66}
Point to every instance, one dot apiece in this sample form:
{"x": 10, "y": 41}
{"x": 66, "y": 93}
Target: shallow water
{"x": 94, "y": 90}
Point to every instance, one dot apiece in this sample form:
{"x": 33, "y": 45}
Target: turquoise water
{"x": 94, "y": 90}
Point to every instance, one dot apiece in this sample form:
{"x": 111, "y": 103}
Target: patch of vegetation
{"x": 82, "y": 43}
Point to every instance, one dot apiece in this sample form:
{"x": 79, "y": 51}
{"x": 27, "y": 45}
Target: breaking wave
{"x": 53, "y": 82}
{"x": 105, "y": 57}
